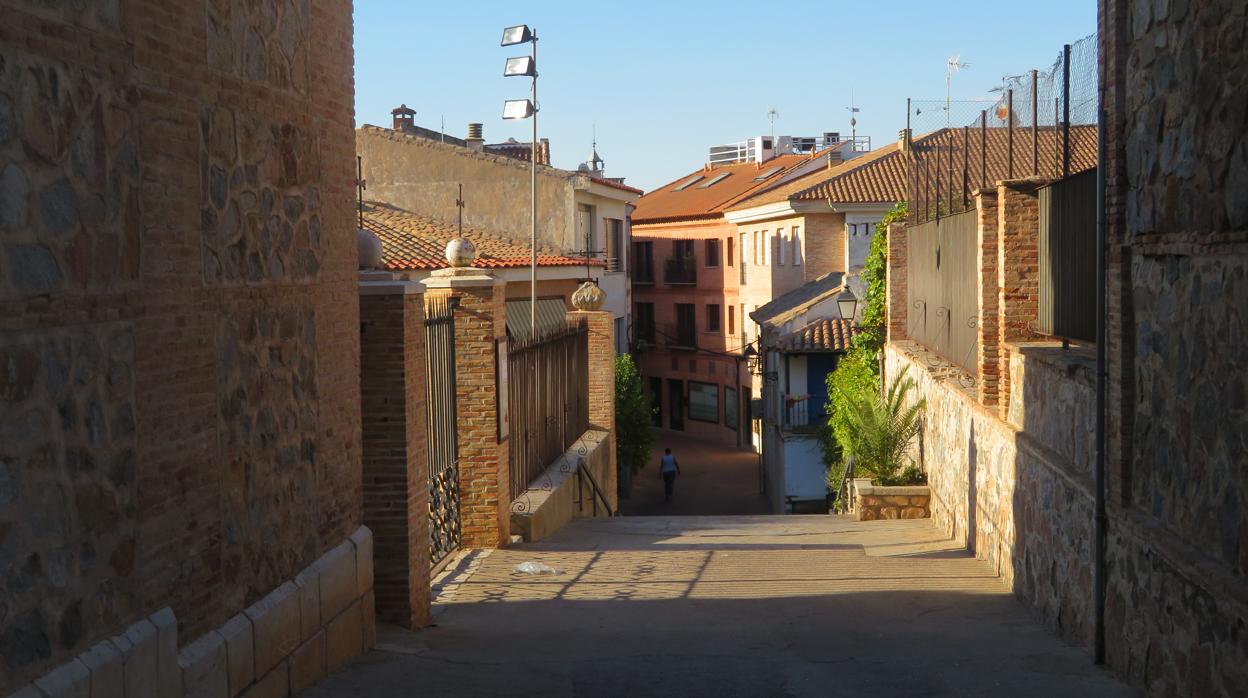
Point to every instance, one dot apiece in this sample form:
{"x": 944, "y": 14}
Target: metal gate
{"x": 444, "y": 526}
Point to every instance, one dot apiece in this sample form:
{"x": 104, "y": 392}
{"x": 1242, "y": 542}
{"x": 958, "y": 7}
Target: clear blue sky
{"x": 665, "y": 80}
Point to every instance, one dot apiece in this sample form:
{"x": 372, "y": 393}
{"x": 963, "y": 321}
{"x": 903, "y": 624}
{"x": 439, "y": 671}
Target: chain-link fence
{"x": 1040, "y": 124}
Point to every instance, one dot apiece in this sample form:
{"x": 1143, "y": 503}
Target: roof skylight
{"x": 767, "y": 173}
{"x": 713, "y": 180}
{"x": 689, "y": 182}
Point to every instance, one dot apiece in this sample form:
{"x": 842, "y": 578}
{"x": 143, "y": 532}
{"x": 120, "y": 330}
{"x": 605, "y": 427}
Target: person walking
{"x": 668, "y": 469}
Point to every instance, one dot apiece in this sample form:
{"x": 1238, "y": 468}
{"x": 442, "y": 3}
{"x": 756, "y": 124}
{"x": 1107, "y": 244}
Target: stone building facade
{"x": 179, "y": 370}
{"x": 1011, "y": 450}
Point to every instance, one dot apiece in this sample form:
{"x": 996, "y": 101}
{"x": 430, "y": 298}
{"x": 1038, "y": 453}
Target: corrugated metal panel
{"x": 942, "y": 287}
{"x": 1068, "y": 258}
{"x": 551, "y": 317}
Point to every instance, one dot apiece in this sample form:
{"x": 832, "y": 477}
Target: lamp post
{"x": 526, "y": 109}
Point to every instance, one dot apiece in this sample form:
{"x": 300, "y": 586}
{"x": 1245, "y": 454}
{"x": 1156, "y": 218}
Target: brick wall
{"x": 178, "y": 320}
{"x": 602, "y": 388}
{"x": 484, "y": 471}
{"x": 897, "y": 286}
{"x": 1018, "y": 270}
{"x": 395, "y": 451}
{"x": 989, "y": 296}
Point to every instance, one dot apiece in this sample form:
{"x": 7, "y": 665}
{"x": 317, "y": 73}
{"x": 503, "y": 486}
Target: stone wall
{"x": 1177, "y": 211}
{"x": 179, "y": 394}
{"x": 873, "y": 503}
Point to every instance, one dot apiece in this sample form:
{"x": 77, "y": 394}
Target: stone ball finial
{"x": 369, "y": 247}
{"x": 460, "y": 252}
{"x": 589, "y": 297}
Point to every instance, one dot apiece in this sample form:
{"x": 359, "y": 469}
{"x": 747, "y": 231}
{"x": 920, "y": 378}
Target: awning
{"x": 551, "y": 315}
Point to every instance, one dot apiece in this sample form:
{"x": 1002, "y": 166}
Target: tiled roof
{"x": 694, "y": 201}
{"x": 778, "y": 309}
{"x": 880, "y": 176}
{"x": 617, "y": 185}
{"x": 877, "y": 176}
{"x": 412, "y": 242}
{"x": 820, "y": 335}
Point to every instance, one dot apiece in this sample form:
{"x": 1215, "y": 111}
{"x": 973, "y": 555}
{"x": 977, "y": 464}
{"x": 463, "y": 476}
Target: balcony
{"x": 795, "y": 414}
{"x": 643, "y": 270}
{"x": 680, "y": 271}
{"x": 678, "y": 336}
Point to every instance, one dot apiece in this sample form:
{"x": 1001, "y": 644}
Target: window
{"x": 745, "y": 248}
{"x": 615, "y": 244}
{"x": 762, "y": 249}
{"x": 686, "y": 326}
{"x": 681, "y": 267}
{"x": 643, "y": 262}
{"x": 730, "y": 320}
{"x": 643, "y": 323}
{"x": 704, "y": 402}
{"x": 755, "y": 254}
{"x": 586, "y": 235}
{"x": 712, "y": 253}
{"x": 728, "y": 249}
{"x": 797, "y": 246}
{"x": 712, "y": 317}
{"x": 780, "y": 245}
{"x": 730, "y": 407}
{"x": 767, "y": 173}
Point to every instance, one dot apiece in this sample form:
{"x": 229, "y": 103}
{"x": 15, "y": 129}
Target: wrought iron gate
{"x": 444, "y": 527}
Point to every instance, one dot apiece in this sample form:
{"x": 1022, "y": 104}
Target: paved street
{"x": 714, "y": 480}
{"x": 726, "y": 606}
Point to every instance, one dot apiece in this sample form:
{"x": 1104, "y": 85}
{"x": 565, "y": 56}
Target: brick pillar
{"x": 898, "y": 251}
{"x": 602, "y": 386}
{"x": 484, "y": 471}
{"x": 395, "y": 449}
{"x": 1018, "y": 273}
{"x": 989, "y": 362}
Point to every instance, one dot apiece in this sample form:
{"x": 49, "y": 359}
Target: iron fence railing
{"x": 1067, "y": 304}
{"x": 1042, "y": 124}
{"x": 548, "y": 399}
{"x": 441, "y": 425}
{"x": 942, "y": 284}
{"x": 680, "y": 270}
{"x": 678, "y": 335}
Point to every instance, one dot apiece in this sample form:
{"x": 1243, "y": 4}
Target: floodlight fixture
{"x": 519, "y": 34}
{"x": 518, "y": 109}
{"x": 520, "y": 65}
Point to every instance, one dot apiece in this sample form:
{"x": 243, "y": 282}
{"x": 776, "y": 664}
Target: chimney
{"x": 543, "y": 152}
{"x": 475, "y": 139}
{"x": 903, "y": 140}
{"x": 404, "y": 118}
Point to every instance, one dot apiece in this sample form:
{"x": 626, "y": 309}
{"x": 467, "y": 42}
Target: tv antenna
{"x": 853, "y": 122}
{"x": 953, "y": 65}
{"x": 772, "y": 115}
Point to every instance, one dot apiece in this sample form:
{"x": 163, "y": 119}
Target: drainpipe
{"x": 1099, "y": 520}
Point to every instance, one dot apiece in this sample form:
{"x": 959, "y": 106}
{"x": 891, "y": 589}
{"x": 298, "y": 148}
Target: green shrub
{"x": 633, "y": 438}
{"x": 881, "y": 429}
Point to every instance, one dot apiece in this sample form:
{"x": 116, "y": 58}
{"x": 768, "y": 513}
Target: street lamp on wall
{"x": 847, "y": 303}
{"x": 753, "y": 360}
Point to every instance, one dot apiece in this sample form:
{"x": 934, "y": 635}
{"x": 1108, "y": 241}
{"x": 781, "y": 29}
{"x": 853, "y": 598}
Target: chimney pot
{"x": 475, "y": 139}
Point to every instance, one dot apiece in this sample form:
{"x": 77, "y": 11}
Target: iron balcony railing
{"x": 680, "y": 270}
{"x": 643, "y": 269}
{"x": 678, "y": 335}
{"x": 795, "y": 413}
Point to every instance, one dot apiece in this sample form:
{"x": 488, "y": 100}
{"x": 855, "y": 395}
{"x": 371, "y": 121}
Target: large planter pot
{"x": 874, "y": 502}
{"x": 624, "y": 483}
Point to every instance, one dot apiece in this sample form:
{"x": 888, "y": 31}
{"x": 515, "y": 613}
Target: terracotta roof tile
{"x": 412, "y": 242}
{"x": 820, "y": 335}
{"x": 694, "y": 201}
{"x": 880, "y": 176}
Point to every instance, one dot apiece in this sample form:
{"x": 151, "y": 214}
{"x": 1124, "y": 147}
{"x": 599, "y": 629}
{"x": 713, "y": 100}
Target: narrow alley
{"x": 714, "y": 480}
{"x": 719, "y": 606}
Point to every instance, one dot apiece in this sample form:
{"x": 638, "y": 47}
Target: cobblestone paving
{"x": 726, "y": 606}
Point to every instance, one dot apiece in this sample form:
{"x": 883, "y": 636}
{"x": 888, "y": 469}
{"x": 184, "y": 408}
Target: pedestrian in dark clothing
{"x": 668, "y": 469}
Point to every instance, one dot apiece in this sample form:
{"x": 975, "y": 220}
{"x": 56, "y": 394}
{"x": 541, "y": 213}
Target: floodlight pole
{"x": 533, "y": 203}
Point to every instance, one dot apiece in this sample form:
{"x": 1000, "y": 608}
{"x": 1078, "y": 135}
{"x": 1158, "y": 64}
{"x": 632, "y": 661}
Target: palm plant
{"x": 881, "y": 430}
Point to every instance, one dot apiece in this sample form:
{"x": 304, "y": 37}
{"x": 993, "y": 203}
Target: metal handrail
{"x": 593, "y": 485}
{"x": 842, "y": 493}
